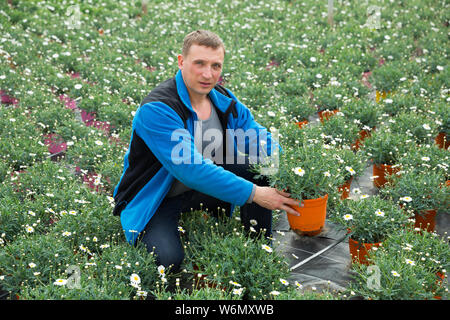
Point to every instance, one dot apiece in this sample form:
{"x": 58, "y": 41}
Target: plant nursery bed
{"x": 74, "y": 73}
{"x": 331, "y": 270}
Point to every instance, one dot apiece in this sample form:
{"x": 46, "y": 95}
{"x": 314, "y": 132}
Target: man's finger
{"x": 283, "y": 193}
{"x": 290, "y": 210}
{"x": 294, "y": 203}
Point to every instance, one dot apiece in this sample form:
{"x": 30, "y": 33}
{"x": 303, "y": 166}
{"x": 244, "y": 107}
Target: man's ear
{"x": 180, "y": 61}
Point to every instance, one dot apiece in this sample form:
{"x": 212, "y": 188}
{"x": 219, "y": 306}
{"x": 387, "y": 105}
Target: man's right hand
{"x": 273, "y": 199}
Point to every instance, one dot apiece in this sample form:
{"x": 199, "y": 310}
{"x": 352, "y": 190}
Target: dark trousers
{"x": 161, "y": 234}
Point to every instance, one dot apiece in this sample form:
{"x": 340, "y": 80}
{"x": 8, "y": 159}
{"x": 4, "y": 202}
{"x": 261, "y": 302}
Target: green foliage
{"x": 222, "y": 250}
{"x": 423, "y": 190}
{"x": 371, "y": 219}
{"x": 422, "y": 129}
{"x": 385, "y": 147}
{"x": 363, "y": 112}
{"x": 406, "y": 268}
{"x": 340, "y": 130}
{"x": 386, "y": 78}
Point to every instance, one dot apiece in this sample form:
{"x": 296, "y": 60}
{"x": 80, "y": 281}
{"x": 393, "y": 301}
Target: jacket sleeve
{"x": 163, "y": 131}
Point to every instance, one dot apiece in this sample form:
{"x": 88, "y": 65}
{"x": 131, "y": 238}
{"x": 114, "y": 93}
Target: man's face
{"x": 201, "y": 68}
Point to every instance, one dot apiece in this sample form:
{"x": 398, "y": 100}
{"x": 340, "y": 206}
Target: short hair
{"x": 202, "y": 38}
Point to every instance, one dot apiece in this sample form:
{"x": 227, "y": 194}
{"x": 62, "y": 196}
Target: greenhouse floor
{"x": 330, "y": 270}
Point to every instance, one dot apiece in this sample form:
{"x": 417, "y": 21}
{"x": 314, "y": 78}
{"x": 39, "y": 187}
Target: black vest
{"x": 142, "y": 163}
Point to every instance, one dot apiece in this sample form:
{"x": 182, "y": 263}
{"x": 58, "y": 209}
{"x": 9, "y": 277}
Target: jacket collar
{"x": 222, "y": 102}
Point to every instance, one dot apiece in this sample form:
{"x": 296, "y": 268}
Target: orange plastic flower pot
{"x": 302, "y": 123}
{"x": 362, "y": 135}
{"x": 426, "y": 220}
{"x": 312, "y": 217}
{"x": 380, "y": 171}
{"x": 441, "y": 140}
{"x": 326, "y": 114}
{"x": 359, "y": 251}
{"x": 345, "y": 188}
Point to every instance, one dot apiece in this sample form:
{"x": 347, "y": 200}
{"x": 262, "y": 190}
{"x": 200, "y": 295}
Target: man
{"x": 165, "y": 171}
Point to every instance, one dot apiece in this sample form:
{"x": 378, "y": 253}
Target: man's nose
{"x": 207, "y": 72}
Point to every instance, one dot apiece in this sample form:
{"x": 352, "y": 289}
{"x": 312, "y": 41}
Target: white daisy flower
{"x": 234, "y": 283}
{"x": 350, "y": 169}
{"x": 285, "y": 282}
{"x": 395, "y": 273}
{"x": 410, "y": 262}
{"x": 135, "y": 280}
{"x": 348, "y": 217}
{"x": 180, "y": 229}
{"x": 60, "y": 282}
{"x": 238, "y": 292}
{"x": 141, "y": 293}
{"x": 379, "y": 213}
{"x": 161, "y": 270}
{"x": 406, "y": 199}
{"x": 299, "y": 171}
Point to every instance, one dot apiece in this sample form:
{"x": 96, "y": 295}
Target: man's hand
{"x": 272, "y": 199}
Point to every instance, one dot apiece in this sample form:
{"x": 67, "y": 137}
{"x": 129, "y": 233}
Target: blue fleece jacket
{"x": 155, "y": 123}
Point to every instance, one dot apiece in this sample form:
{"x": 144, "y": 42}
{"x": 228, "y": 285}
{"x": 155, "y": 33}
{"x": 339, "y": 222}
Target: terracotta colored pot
{"x": 326, "y": 114}
{"x": 345, "y": 188}
{"x": 302, "y": 123}
{"x": 381, "y": 170}
{"x": 442, "y": 141}
{"x": 439, "y": 281}
{"x": 362, "y": 135}
{"x": 359, "y": 251}
{"x": 426, "y": 220}
{"x": 312, "y": 217}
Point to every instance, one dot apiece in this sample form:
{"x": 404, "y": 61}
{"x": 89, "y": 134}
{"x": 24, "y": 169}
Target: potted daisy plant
{"x": 369, "y": 220}
{"x": 310, "y": 173}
